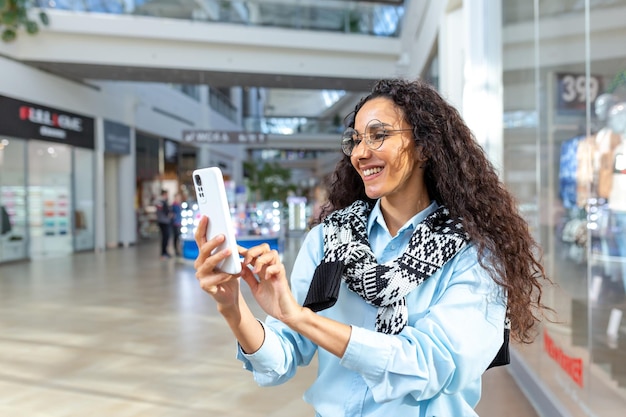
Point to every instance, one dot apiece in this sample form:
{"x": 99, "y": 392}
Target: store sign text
{"x": 572, "y": 366}
{"x": 45, "y": 117}
{"x": 574, "y": 90}
{"x": 224, "y": 137}
{"x": 52, "y": 132}
{"x": 26, "y": 120}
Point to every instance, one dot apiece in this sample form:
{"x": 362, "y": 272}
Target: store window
{"x": 13, "y": 233}
{"x": 564, "y": 135}
{"x": 83, "y": 213}
{"x": 49, "y": 199}
{"x": 148, "y": 186}
{"x": 188, "y": 161}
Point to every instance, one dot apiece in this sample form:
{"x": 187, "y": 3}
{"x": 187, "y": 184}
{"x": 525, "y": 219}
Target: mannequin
{"x": 594, "y": 155}
{"x": 617, "y": 195}
{"x": 607, "y": 140}
{"x": 603, "y": 104}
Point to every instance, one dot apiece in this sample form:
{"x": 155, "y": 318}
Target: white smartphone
{"x": 212, "y": 202}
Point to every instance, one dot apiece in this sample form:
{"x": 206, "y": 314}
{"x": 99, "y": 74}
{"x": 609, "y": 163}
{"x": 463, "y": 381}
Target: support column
{"x": 482, "y": 91}
{"x": 126, "y": 188}
{"x": 99, "y": 199}
{"x": 470, "y": 56}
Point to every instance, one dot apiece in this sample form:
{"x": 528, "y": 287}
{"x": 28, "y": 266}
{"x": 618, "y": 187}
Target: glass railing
{"x": 382, "y": 18}
{"x": 222, "y": 104}
{"x": 190, "y": 90}
{"x": 284, "y": 154}
{"x": 524, "y": 11}
{"x": 292, "y": 126}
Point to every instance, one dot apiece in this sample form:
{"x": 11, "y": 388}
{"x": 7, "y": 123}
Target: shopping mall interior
{"x": 104, "y": 104}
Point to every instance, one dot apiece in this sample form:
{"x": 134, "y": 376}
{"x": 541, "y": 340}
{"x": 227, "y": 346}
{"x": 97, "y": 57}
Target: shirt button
{"x": 393, "y": 247}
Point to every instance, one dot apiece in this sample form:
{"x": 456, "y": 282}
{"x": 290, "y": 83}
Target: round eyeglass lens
{"x": 347, "y": 141}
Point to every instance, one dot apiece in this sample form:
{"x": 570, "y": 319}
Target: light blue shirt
{"x": 432, "y": 368}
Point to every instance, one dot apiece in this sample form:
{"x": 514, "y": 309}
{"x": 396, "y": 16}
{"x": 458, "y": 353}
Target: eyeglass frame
{"x": 373, "y": 144}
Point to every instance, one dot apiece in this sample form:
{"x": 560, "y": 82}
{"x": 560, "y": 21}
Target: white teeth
{"x": 371, "y": 171}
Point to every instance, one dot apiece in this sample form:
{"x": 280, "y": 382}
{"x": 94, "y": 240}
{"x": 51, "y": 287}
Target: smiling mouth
{"x": 371, "y": 171}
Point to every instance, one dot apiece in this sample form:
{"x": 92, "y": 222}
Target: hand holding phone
{"x": 212, "y": 202}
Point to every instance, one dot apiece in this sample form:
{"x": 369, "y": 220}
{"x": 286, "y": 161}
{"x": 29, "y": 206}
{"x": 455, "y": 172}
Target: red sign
{"x": 572, "y": 366}
{"x": 45, "y": 117}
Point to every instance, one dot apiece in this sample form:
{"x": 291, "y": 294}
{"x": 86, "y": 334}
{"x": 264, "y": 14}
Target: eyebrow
{"x": 378, "y": 124}
{"x": 370, "y": 124}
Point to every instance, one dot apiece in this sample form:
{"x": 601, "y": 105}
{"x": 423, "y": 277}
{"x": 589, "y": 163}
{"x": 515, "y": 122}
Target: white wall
{"x": 150, "y": 107}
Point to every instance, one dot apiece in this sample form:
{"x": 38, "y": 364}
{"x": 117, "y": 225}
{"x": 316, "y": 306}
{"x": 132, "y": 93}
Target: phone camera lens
{"x": 198, "y": 180}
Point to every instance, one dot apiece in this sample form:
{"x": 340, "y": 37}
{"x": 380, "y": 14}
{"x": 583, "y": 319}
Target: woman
{"x": 404, "y": 287}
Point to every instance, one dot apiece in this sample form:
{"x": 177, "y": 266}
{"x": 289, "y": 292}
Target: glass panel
{"x": 49, "y": 199}
{"x": 562, "y": 121}
{"x": 147, "y": 151}
{"x": 521, "y": 11}
{"x": 13, "y": 239}
{"x": 521, "y": 146}
{"x": 606, "y": 204}
{"x": 221, "y": 103}
{"x": 83, "y": 199}
{"x": 365, "y": 17}
{"x": 188, "y": 162}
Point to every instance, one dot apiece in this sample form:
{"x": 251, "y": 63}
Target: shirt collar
{"x": 376, "y": 217}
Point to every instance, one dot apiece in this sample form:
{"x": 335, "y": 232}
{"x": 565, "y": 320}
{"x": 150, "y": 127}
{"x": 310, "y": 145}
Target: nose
{"x": 360, "y": 148}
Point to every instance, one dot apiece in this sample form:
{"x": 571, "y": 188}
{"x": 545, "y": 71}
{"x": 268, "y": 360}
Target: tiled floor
{"x": 124, "y": 334}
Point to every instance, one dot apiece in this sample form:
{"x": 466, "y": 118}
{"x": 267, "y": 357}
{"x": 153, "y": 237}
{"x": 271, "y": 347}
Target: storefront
{"x": 564, "y": 91}
{"x": 186, "y": 162}
{"x": 47, "y": 209}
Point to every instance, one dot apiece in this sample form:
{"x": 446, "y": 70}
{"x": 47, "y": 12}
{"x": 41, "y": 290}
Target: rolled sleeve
{"x": 276, "y": 360}
{"x": 264, "y": 360}
{"x": 367, "y": 354}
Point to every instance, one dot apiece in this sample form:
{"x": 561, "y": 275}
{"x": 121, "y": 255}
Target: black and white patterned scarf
{"x": 348, "y": 256}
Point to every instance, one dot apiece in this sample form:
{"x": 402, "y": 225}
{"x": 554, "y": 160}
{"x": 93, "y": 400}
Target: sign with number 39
{"x": 572, "y": 92}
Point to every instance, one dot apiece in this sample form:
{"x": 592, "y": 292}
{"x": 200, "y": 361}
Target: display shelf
{"x": 12, "y": 250}
{"x": 13, "y": 230}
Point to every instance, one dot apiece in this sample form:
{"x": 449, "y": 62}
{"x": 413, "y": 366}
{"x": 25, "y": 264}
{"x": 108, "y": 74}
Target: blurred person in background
{"x": 164, "y": 220}
{"x": 177, "y": 220}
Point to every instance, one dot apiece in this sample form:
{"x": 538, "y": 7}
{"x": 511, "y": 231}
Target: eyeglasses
{"x": 375, "y": 134}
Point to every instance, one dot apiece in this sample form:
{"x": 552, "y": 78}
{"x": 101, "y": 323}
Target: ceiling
{"x": 212, "y": 78}
{"x": 374, "y": 18}
{"x": 289, "y": 95}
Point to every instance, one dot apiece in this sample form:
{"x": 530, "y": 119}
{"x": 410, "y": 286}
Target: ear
{"x": 420, "y": 156}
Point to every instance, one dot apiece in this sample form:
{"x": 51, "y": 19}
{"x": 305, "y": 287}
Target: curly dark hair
{"x": 459, "y": 176}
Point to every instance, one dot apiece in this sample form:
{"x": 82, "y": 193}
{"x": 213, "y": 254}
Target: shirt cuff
{"x": 264, "y": 359}
{"x": 368, "y": 353}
